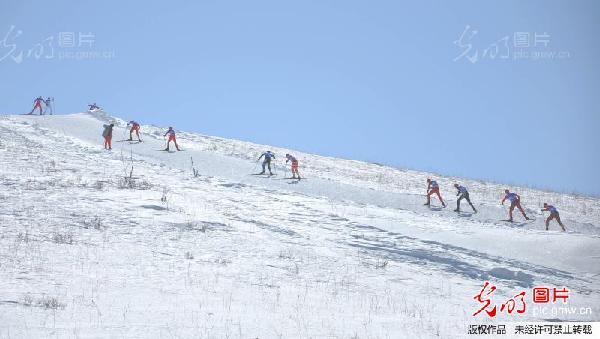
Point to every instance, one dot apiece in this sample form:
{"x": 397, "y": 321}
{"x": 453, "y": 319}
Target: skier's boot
{"x": 457, "y": 210}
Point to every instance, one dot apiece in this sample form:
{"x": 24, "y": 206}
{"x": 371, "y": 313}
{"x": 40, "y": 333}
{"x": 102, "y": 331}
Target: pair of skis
{"x": 513, "y": 221}
{"x": 275, "y": 174}
{"x": 131, "y": 141}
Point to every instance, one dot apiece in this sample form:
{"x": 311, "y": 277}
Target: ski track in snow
{"x": 349, "y": 252}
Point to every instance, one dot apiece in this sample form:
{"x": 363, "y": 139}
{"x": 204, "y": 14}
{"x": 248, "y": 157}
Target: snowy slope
{"x": 349, "y": 252}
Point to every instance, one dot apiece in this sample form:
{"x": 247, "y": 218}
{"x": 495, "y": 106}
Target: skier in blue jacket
{"x": 462, "y": 194}
{"x": 268, "y": 155}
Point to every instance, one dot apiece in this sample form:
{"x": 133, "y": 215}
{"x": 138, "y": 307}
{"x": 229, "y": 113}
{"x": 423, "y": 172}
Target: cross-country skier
{"x": 107, "y": 134}
{"x": 433, "y": 187}
{"x": 93, "y": 107}
{"x": 294, "y": 161}
{"x": 172, "y": 137}
{"x": 267, "y": 162}
{"x": 553, "y": 215}
{"x": 135, "y": 127}
{"x": 462, "y": 194}
{"x": 515, "y": 201}
{"x": 48, "y": 103}
{"x": 37, "y": 103}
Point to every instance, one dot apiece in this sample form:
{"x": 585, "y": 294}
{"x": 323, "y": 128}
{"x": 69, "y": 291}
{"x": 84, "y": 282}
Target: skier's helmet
{"x": 506, "y": 191}
{"x": 456, "y": 185}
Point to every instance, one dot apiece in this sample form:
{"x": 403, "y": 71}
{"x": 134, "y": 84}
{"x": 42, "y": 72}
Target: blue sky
{"x": 376, "y": 81}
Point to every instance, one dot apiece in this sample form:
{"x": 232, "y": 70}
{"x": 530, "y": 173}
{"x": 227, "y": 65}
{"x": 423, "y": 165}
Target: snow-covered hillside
{"x": 350, "y": 252}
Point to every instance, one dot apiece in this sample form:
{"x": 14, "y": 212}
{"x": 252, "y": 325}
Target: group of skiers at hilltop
{"x": 513, "y": 198}
{"x": 38, "y": 102}
{"x": 48, "y": 106}
{"x": 134, "y": 127}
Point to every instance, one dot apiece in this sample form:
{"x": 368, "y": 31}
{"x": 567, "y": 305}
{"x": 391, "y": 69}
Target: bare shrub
{"x": 195, "y": 172}
{"x": 381, "y": 263}
{"x": 133, "y": 183}
{"x": 99, "y": 185}
{"x": 63, "y": 238}
{"x": 222, "y": 261}
{"x": 23, "y": 237}
{"x": 51, "y": 303}
{"x": 95, "y": 223}
{"x": 286, "y": 254}
{"x": 164, "y": 198}
{"x": 192, "y": 225}
{"x": 27, "y": 300}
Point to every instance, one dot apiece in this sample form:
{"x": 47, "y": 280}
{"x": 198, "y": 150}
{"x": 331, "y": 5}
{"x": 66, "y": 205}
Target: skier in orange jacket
{"x": 294, "y": 161}
{"x": 433, "y": 188}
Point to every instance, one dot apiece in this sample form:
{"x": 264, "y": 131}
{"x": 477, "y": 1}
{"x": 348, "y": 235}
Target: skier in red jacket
{"x": 515, "y": 201}
{"x": 433, "y": 188}
{"x": 37, "y": 103}
{"x": 135, "y": 127}
{"x": 172, "y": 137}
